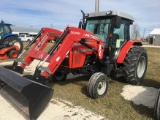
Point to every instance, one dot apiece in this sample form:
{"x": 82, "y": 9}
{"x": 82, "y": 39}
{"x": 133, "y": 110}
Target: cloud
{"x": 42, "y": 13}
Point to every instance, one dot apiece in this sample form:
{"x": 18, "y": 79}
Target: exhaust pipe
{"x": 27, "y": 96}
{"x": 97, "y": 6}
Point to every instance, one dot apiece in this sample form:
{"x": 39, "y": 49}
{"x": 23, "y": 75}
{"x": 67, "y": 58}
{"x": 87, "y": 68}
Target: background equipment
{"x": 10, "y": 44}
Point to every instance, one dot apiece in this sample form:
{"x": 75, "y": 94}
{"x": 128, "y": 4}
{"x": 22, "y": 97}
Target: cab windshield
{"x": 4, "y": 30}
{"x": 100, "y": 28}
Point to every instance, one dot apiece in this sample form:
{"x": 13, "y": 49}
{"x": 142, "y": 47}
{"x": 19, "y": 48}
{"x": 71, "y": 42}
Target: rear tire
{"x": 2, "y": 84}
{"x": 16, "y": 41}
{"x": 135, "y": 65}
{"x": 59, "y": 76}
{"x": 97, "y": 85}
{"x": 157, "y": 106}
{"x": 28, "y": 40}
{"x": 13, "y": 54}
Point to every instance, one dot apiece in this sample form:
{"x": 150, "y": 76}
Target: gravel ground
{"x": 140, "y": 95}
{"x": 56, "y": 110}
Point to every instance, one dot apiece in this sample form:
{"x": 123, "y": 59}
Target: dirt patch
{"x": 140, "y": 95}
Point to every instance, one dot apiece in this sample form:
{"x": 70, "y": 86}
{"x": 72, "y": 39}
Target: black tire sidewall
{"x": 54, "y": 77}
{"x": 93, "y": 83}
{"x": 11, "y": 53}
{"x": 131, "y": 65}
{"x": 157, "y": 106}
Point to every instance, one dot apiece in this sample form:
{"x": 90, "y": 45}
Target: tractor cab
{"x": 110, "y": 24}
{"x": 113, "y": 27}
{"x": 5, "y": 29}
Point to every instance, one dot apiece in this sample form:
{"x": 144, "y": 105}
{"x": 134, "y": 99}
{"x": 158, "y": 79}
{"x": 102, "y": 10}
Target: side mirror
{"x": 117, "y": 22}
{"x": 80, "y": 24}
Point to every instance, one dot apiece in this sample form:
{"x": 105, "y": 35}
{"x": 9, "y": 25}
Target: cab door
{"x": 1, "y": 32}
{"x": 4, "y": 30}
{"x": 119, "y": 37}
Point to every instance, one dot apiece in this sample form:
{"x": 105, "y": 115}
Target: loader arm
{"x": 40, "y": 42}
{"x": 59, "y": 51}
{"x": 28, "y": 96}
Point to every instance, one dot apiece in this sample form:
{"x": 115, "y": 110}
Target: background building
{"x": 25, "y": 30}
{"x": 154, "y": 37}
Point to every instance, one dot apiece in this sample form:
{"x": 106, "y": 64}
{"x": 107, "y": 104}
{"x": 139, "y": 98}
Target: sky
{"x": 60, "y": 13}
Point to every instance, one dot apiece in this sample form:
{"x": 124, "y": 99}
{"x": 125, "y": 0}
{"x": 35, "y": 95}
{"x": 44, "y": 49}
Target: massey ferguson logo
{"x": 91, "y": 36}
{"x": 75, "y": 33}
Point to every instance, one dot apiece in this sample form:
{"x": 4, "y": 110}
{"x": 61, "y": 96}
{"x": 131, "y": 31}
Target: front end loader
{"x": 28, "y": 96}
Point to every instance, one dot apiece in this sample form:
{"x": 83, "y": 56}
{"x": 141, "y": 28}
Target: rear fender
{"x": 9, "y": 35}
{"x": 124, "y": 50}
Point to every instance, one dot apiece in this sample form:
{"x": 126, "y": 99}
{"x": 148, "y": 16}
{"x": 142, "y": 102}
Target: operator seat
{"x": 115, "y": 37}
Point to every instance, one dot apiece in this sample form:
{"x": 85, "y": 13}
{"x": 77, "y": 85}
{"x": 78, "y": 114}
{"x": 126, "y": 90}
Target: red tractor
{"x": 100, "y": 47}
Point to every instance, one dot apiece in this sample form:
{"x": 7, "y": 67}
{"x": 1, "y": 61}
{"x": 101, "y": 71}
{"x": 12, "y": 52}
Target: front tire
{"x": 59, "y": 76}
{"x": 97, "y": 85}
{"x": 13, "y": 54}
{"x": 157, "y": 106}
{"x": 28, "y": 40}
{"x": 135, "y": 65}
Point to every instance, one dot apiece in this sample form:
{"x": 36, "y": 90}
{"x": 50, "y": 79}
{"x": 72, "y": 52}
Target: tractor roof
{"x": 110, "y": 13}
{"x": 3, "y": 23}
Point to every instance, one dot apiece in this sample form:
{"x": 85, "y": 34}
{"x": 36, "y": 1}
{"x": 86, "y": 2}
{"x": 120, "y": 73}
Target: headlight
{"x": 116, "y": 54}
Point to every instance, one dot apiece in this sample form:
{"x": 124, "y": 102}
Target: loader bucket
{"x": 31, "y": 97}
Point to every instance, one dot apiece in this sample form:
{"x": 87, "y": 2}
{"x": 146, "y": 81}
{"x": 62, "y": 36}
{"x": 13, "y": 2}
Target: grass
{"x": 112, "y": 106}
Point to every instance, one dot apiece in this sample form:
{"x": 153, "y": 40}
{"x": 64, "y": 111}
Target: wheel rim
{"x": 141, "y": 67}
{"x": 59, "y": 76}
{"x": 14, "y": 55}
{"x": 101, "y": 87}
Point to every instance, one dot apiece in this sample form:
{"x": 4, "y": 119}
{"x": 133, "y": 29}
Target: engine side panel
{"x": 76, "y": 58}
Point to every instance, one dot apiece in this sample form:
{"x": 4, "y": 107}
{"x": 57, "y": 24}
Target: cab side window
{"x": 122, "y": 34}
{"x": 7, "y": 29}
